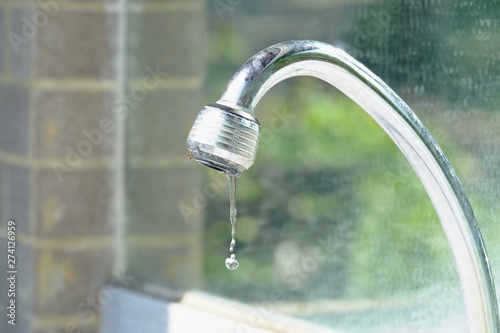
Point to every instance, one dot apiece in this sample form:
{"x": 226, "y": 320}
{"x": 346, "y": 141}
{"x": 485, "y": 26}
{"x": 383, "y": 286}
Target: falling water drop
{"x": 231, "y": 262}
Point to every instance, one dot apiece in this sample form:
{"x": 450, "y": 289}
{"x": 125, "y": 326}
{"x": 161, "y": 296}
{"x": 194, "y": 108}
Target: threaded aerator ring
{"x": 224, "y": 139}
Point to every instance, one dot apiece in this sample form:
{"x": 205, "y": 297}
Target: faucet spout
{"x": 225, "y": 137}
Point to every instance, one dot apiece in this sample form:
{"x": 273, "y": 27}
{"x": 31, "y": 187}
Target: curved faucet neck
{"x": 289, "y": 59}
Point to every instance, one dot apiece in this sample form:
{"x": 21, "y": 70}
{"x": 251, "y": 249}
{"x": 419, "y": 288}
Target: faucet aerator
{"x": 224, "y": 139}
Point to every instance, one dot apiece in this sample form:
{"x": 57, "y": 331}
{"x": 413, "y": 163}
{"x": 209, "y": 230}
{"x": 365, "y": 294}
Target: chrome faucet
{"x": 225, "y": 137}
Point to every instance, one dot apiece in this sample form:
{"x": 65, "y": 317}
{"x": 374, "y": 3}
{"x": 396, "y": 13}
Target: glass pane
{"x": 333, "y": 225}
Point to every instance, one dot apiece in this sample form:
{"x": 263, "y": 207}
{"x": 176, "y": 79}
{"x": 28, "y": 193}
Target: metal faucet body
{"x": 225, "y": 137}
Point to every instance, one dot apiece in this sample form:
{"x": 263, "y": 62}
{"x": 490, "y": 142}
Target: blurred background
{"x": 97, "y": 98}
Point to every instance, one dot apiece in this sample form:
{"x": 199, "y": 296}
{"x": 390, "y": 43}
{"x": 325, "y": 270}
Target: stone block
{"x": 157, "y": 198}
{"x": 78, "y": 44}
{"x": 160, "y": 125}
{"x": 71, "y": 123}
{"x": 171, "y": 39}
{"x": 19, "y": 197}
{"x": 69, "y": 280}
{"x": 14, "y": 127}
{"x": 3, "y": 40}
{"x": 22, "y": 42}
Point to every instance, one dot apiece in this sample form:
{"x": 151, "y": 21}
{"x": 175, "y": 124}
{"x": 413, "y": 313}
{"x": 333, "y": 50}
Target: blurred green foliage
{"x": 327, "y": 171}
{"x": 447, "y": 49}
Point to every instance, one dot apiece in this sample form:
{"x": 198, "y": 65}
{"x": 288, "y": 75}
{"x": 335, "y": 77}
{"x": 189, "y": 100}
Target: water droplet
{"x": 232, "y": 263}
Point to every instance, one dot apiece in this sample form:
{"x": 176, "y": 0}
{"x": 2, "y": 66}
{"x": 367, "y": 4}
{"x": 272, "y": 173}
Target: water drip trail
{"x": 231, "y": 262}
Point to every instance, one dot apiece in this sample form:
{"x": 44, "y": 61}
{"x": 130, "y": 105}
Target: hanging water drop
{"x": 231, "y": 262}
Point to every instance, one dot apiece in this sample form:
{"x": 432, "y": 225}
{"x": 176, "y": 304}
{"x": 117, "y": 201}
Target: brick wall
{"x": 64, "y": 116}
{"x": 58, "y": 78}
{"x": 161, "y": 245}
